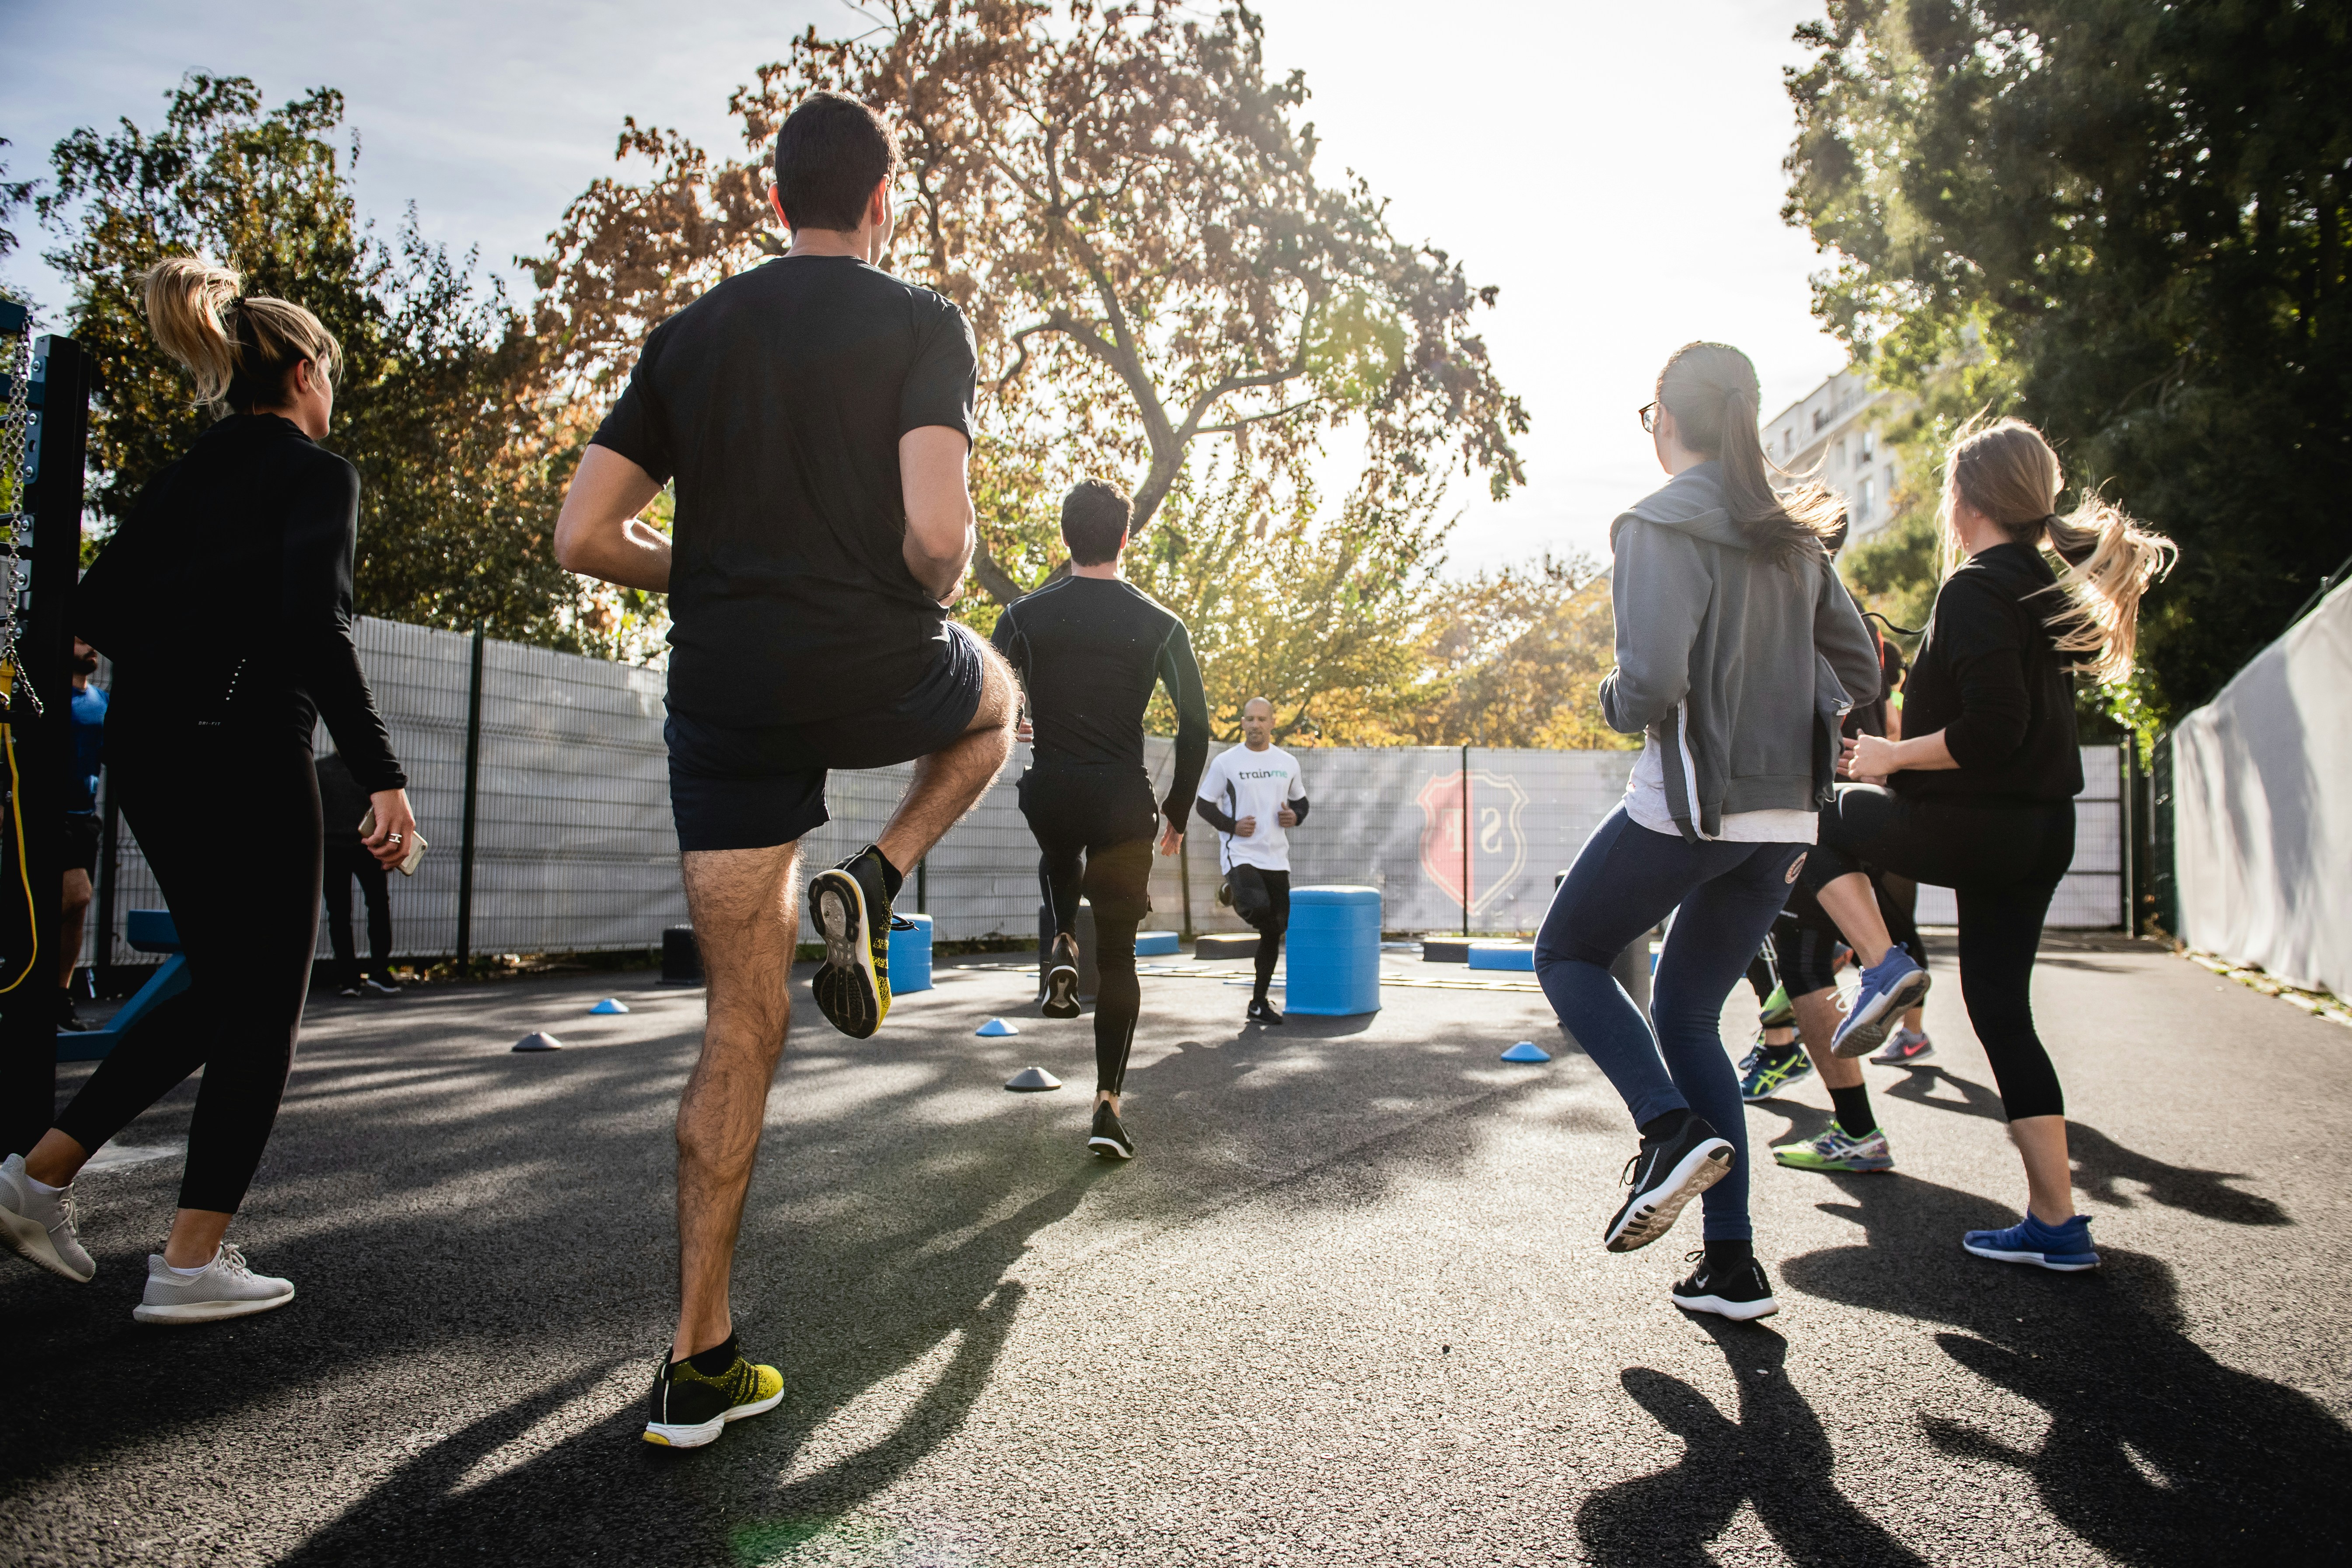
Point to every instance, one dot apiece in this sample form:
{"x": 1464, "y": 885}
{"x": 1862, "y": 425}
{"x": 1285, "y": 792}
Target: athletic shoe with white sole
{"x": 852, "y": 913}
{"x": 41, "y": 1226}
{"x": 1903, "y": 1047}
{"x": 227, "y": 1288}
{"x": 1262, "y": 1012}
{"x": 1890, "y": 988}
{"x": 1667, "y": 1172}
{"x": 1778, "y": 1012}
{"x": 1833, "y": 1151}
{"x": 1062, "y": 979}
{"x": 1110, "y": 1140}
{"x": 1765, "y": 1071}
{"x": 1739, "y": 1294}
{"x": 2064, "y": 1247}
{"x": 692, "y": 1406}
{"x": 382, "y": 987}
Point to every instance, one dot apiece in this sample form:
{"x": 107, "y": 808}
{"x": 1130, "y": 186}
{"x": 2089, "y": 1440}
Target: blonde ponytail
{"x": 2004, "y": 469}
{"x": 238, "y": 351}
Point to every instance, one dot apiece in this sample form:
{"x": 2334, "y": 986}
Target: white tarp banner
{"x": 2262, "y": 789}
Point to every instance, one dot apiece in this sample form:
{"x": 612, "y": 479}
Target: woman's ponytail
{"x": 238, "y": 351}
{"x": 2004, "y": 469}
{"x": 1712, "y": 391}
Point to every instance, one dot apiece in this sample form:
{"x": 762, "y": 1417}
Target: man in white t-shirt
{"x": 1251, "y": 794}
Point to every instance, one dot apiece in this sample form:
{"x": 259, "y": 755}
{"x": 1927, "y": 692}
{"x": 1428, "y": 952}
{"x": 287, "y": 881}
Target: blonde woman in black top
{"x": 225, "y": 602}
{"x": 1980, "y": 798}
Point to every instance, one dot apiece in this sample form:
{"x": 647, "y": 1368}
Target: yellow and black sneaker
{"x": 852, "y": 906}
{"x": 692, "y": 1401}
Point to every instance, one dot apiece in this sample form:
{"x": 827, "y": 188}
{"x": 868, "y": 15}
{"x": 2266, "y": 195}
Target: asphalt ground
{"x": 1350, "y": 1306}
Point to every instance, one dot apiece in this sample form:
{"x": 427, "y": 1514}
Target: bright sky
{"x": 1614, "y": 168}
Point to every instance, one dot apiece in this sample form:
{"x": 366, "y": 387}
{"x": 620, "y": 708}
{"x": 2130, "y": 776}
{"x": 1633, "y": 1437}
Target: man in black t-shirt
{"x": 814, "y": 415}
{"x": 1089, "y": 648}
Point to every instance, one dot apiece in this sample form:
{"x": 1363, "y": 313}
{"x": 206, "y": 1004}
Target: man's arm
{"x": 1179, "y": 672}
{"x": 599, "y": 535}
{"x": 933, "y": 467}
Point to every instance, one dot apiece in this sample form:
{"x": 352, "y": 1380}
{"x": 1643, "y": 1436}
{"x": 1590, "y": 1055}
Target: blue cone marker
{"x": 1526, "y": 1051}
{"x": 538, "y": 1040}
{"x": 610, "y": 1005}
{"x": 995, "y": 1029}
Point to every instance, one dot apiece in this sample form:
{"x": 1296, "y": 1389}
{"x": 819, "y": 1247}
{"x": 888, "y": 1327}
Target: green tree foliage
{"x": 2124, "y": 222}
{"x": 1515, "y": 658}
{"x": 441, "y": 404}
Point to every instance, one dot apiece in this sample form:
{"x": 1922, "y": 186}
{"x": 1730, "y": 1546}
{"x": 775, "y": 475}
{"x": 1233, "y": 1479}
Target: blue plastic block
{"x": 1526, "y": 1051}
{"x": 910, "y": 957}
{"x": 609, "y": 1005}
{"x": 1520, "y": 955}
{"x": 995, "y": 1029}
{"x": 1157, "y": 944}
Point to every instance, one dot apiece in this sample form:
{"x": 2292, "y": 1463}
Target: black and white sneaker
{"x": 350, "y": 991}
{"x": 1110, "y": 1140}
{"x": 1739, "y": 1294}
{"x": 1668, "y": 1173}
{"x": 1261, "y": 1011}
{"x": 1062, "y": 979}
{"x": 382, "y": 985}
{"x": 853, "y": 913}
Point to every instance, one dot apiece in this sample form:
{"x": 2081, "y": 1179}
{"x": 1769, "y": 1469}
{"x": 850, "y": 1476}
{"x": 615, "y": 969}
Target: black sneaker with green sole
{"x": 691, "y": 1407}
{"x": 852, "y": 913}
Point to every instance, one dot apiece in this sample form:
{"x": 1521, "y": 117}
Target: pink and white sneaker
{"x": 1905, "y": 1048}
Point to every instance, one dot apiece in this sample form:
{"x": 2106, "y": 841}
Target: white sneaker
{"x": 40, "y": 1226}
{"x": 226, "y": 1289}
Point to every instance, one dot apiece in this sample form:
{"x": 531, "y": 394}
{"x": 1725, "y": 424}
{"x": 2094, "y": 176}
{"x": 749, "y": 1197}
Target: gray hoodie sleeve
{"x": 1659, "y": 590}
{"x": 1840, "y": 637}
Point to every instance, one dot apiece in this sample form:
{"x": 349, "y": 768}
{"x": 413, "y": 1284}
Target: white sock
{"x": 43, "y": 1188}
{"x": 187, "y": 1273}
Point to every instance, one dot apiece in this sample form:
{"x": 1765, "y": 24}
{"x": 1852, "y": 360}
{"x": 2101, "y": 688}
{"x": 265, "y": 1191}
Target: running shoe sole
{"x": 1062, "y": 992}
{"x": 1109, "y": 1149}
{"x": 1863, "y": 1033}
{"x": 2066, "y": 1265}
{"x": 30, "y": 1240}
{"x": 208, "y": 1312}
{"x": 1649, "y": 1215}
{"x": 1793, "y": 1158}
{"x": 1739, "y": 1311}
{"x": 849, "y": 993}
{"x": 696, "y": 1436}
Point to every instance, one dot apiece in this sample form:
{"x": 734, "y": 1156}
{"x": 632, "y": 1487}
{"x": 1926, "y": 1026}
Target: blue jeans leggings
{"x": 1625, "y": 880}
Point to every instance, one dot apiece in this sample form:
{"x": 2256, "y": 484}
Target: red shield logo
{"x": 1476, "y": 870}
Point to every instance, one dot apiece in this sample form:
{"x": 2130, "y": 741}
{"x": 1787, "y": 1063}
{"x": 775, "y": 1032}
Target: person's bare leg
{"x": 1817, "y": 1022}
{"x": 1105, "y": 1097}
{"x": 56, "y": 1160}
{"x": 69, "y": 927}
{"x": 1849, "y": 900}
{"x": 744, "y": 904}
{"x": 2049, "y": 1175}
{"x": 951, "y": 780}
{"x": 1915, "y": 1019}
{"x": 195, "y": 1237}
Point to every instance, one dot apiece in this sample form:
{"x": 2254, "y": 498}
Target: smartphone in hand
{"x": 416, "y": 845}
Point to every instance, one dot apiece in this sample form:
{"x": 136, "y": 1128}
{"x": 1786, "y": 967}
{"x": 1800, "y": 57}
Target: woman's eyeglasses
{"x": 1648, "y": 415}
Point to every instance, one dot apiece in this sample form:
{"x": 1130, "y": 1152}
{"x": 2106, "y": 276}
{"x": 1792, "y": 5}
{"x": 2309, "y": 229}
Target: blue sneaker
{"x": 1890, "y": 988}
{"x": 1765, "y": 1071}
{"x": 2064, "y": 1247}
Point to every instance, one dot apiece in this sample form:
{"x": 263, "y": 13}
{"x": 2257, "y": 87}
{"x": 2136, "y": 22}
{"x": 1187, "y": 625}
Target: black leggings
{"x": 2002, "y": 859}
{"x": 1278, "y": 921}
{"x": 230, "y": 826}
{"x": 1085, "y": 819}
{"x": 346, "y": 864}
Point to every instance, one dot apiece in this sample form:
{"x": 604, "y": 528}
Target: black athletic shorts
{"x": 82, "y": 841}
{"x": 754, "y": 788}
{"x": 1805, "y": 941}
{"x": 1103, "y": 811}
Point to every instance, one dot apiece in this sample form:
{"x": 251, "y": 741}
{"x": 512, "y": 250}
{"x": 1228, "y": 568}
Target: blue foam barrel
{"x": 910, "y": 957}
{"x": 1334, "y": 949}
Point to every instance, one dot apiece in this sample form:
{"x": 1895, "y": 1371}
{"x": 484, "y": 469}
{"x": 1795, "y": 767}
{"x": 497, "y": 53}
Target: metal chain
{"x": 16, "y": 445}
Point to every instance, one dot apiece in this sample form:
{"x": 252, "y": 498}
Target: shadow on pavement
{"x": 1772, "y": 1452}
{"x": 2154, "y": 1451}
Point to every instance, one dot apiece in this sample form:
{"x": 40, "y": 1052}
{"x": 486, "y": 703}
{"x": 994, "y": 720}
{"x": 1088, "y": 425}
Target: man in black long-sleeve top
{"x": 1090, "y": 650}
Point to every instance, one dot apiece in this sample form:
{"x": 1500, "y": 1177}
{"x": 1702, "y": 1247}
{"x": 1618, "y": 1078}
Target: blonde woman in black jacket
{"x": 224, "y": 601}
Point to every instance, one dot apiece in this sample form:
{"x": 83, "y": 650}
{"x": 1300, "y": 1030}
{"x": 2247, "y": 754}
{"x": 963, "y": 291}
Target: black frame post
{"x": 56, "y": 455}
{"x": 466, "y": 838}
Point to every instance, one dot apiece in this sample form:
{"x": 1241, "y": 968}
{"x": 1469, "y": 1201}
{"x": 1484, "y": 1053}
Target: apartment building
{"x": 1839, "y": 429}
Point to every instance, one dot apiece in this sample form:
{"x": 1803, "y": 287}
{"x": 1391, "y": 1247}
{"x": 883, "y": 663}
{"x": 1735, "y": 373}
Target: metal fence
{"x": 576, "y": 852}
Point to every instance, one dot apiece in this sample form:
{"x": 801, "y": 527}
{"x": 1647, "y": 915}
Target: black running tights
{"x": 1278, "y": 921}
{"x": 231, "y": 830}
{"x": 1114, "y": 879}
{"x": 2003, "y": 860}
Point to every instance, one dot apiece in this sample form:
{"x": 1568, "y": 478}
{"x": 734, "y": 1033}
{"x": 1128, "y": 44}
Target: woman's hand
{"x": 395, "y": 827}
{"x": 1869, "y": 758}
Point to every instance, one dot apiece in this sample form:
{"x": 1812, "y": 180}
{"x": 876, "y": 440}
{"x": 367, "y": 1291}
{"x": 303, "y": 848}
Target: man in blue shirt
{"x": 81, "y": 824}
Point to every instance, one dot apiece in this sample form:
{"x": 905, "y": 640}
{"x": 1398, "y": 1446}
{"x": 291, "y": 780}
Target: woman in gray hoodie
{"x": 1738, "y": 651}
